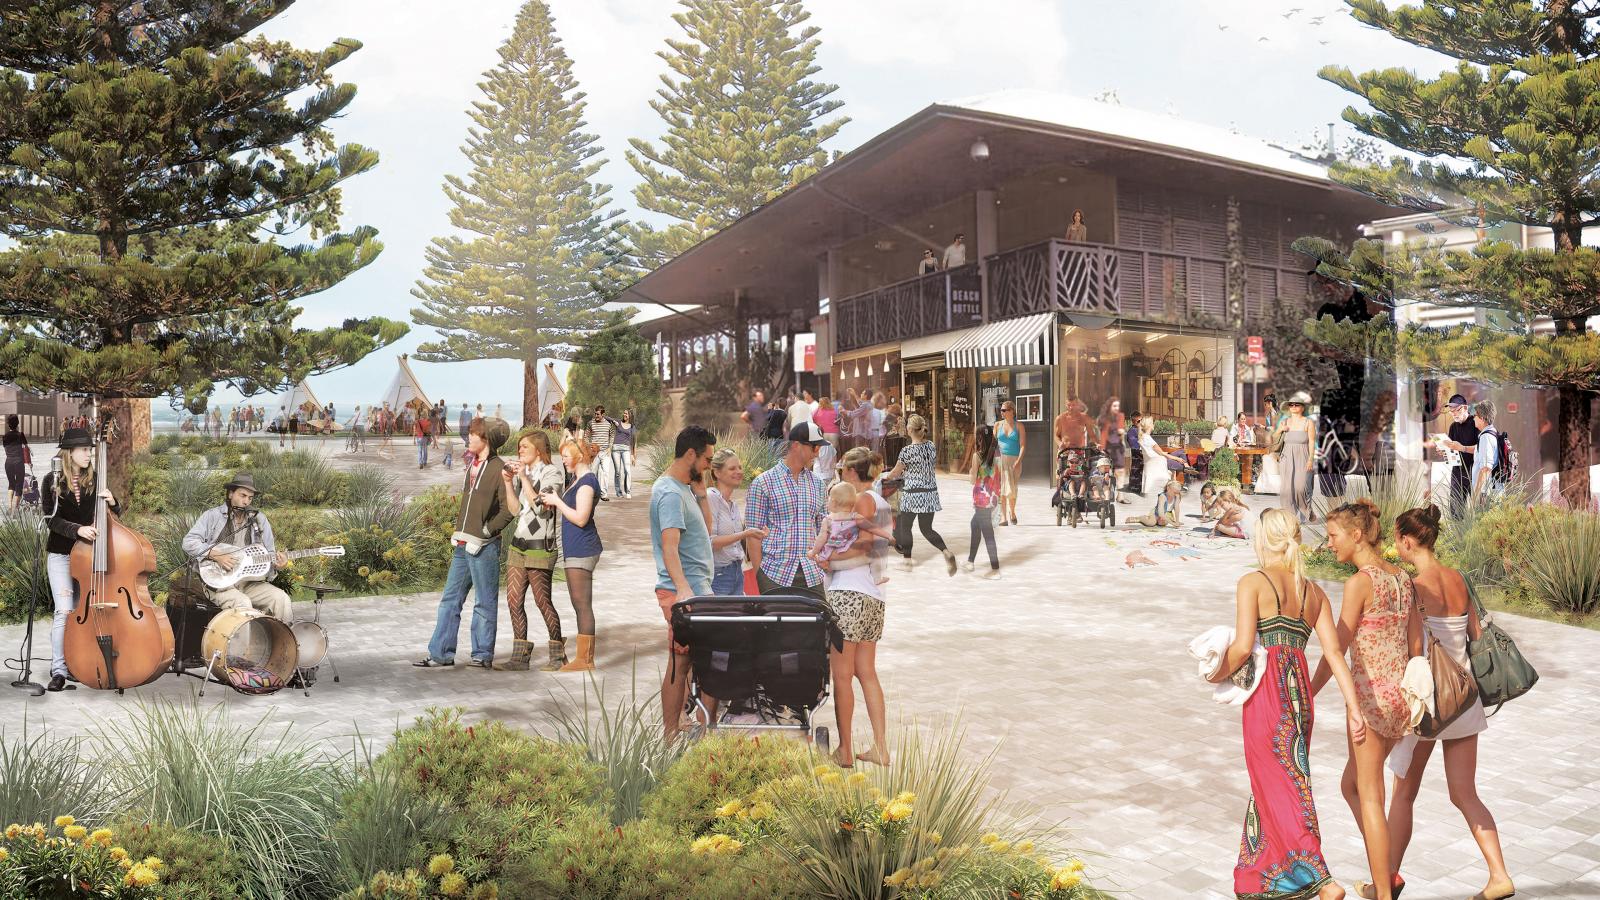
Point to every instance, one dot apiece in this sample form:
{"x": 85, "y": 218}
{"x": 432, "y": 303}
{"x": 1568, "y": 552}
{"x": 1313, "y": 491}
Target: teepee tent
{"x": 551, "y": 394}
{"x": 405, "y": 391}
{"x": 299, "y": 398}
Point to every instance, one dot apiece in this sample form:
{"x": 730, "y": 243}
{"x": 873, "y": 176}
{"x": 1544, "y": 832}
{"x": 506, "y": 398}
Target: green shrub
{"x": 506, "y": 792}
{"x": 42, "y": 776}
{"x": 191, "y": 489}
{"x": 147, "y": 485}
{"x": 1199, "y": 428}
{"x": 717, "y": 769}
{"x": 165, "y": 532}
{"x": 641, "y": 860}
{"x": 1225, "y": 466}
{"x": 300, "y": 477}
{"x": 163, "y": 443}
{"x": 22, "y": 572}
{"x": 195, "y": 866}
{"x": 384, "y": 549}
{"x": 67, "y": 861}
{"x": 1494, "y": 537}
{"x": 384, "y": 824}
{"x": 1170, "y": 426}
{"x": 368, "y": 484}
{"x": 269, "y": 796}
{"x": 923, "y": 824}
{"x": 438, "y": 878}
{"x": 623, "y": 738}
{"x": 1560, "y": 565}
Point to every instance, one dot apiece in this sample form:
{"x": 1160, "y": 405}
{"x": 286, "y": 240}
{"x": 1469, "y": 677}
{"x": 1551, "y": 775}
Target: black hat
{"x": 807, "y": 433}
{"x": 1458, "y": 400}
{"x": 241, "y": 480}
{"x": 74, "y": 438}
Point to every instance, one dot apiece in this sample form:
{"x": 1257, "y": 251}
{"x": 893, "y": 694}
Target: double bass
{"x": 117, "y": 637}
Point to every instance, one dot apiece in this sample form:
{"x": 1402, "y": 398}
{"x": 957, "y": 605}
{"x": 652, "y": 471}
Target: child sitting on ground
{"x": 840, "y": 529}
{"x": 1166, "y": 514}
{"x": 1230, "y": 516}
{"x": 1209, "y": 511}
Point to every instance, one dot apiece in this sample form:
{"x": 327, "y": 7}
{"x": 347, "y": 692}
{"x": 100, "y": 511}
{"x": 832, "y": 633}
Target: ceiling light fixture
{"x": 1153, "y": 338}
{"x": 979, "y": 151}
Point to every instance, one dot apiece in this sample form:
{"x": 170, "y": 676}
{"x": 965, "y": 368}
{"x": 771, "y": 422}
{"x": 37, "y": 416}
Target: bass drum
{"x": 311, "y": 640}
{"x": 250, "y": 651}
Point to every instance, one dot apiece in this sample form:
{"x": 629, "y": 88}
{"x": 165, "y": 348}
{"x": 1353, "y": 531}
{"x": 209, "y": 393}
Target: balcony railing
{"x": 1128, "y": 282}
{"x": 927, "y": 304}
{"x": 1057, "y": 276}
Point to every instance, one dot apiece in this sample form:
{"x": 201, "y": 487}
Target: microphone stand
{"x": 25, "y": 654}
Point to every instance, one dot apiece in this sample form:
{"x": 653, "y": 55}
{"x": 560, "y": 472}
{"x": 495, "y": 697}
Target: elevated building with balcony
{"x": 1185, "y": 246}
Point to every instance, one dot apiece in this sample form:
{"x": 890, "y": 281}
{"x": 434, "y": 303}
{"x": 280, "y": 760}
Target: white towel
{"x": 1209, "y": 649}
{"x": 1417, "y": 687}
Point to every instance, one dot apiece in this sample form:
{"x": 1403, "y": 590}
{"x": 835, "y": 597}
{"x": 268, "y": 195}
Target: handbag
{"x": 1276, "y": 447}
{"x": 1454, "y": 690}
{"x": 1502, "y": 672}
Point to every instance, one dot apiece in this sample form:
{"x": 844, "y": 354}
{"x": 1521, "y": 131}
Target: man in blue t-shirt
{"x": 682, "y": 547}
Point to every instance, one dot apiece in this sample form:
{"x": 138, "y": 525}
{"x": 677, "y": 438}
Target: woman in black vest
{"x": 70, "y": 501}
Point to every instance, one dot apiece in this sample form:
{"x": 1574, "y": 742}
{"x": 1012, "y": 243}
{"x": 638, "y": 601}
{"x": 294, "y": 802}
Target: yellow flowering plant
{"x": 439, "y": 878}
{"x": 36, "y": 861}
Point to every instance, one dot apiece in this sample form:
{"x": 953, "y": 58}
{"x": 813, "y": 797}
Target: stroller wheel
{"x": 822, "y": 738}
{"x": 1058, "y": 515}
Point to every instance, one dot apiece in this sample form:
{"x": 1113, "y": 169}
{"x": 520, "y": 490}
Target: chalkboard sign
{"x": 961, "y": 409}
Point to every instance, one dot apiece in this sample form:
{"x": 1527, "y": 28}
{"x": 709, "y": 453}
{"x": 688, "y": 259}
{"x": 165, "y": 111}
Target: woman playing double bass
{"x": 71, "y": 497}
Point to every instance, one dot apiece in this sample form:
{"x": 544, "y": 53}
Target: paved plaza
{"x": 1073, "y": 663}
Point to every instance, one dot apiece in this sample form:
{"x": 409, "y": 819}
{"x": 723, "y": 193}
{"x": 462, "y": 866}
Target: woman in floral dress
{"x": 1378, "y": 623}
{"x": 1280, "y": 852}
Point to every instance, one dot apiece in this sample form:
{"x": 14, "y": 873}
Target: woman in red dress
{"x": 1280, "y": 852}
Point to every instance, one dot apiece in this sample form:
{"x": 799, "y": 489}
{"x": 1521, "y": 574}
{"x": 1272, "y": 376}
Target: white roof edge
{"x": 1119, "y": 121}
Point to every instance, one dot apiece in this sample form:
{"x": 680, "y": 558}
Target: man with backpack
{"x": 1493, "y": 464}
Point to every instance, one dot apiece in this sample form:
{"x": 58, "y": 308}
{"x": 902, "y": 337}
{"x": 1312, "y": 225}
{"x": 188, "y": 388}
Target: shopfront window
{"x": 954, "y": 388}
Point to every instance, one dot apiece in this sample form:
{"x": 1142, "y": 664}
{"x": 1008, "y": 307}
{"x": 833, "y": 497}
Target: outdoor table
{"x": 1246, "y": 464}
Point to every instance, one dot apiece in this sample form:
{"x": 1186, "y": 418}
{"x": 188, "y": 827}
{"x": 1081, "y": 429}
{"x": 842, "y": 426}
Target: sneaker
{"x": 992, "y": 575}
{"x": 907, "y": 564}
{"x": 966, "y": 566}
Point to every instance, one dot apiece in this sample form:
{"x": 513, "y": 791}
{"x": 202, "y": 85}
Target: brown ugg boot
{"x": 558, "y": 656}
{"x": 521, "y": 653}
{"x": 584, "y": 660}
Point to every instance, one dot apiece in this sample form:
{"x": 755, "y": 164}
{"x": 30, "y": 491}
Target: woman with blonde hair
{"x": 857, "y": 599}
{"x": 919, "y": 495}
{"x": 1157, "y": 472}
{"x": 580, "y": 542}
{"x": 531, "y": 557}
{"x": 1379, "y": 625}
{"x": 1452, "y": 619}
{"x": 1280, "y": 854}
{"x": 726, "y": 518}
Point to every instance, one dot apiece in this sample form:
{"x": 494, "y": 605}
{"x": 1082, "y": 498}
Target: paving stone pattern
{"x": 1072, "y": 669}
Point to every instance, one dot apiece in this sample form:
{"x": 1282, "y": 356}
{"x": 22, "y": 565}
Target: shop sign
{"x": 1256, "y": 352}
{"x": 961, "y": 409}
{"x": 805, "y": 352}
{"x": 964, "y": 290}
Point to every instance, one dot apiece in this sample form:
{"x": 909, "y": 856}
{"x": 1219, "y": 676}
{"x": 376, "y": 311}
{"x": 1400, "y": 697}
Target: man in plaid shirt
{"x": 787, "y": 500}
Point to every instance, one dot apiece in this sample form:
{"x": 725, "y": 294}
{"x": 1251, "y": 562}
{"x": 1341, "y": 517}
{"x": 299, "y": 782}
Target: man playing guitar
{"x": 235, "y": 523}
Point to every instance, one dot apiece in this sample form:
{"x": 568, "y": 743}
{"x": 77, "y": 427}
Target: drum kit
{"x": 246, "y": 649}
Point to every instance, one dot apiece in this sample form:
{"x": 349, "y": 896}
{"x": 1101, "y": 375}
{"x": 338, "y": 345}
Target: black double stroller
{"x": 765, "y": 659}
{"x": 1081, "y": 489}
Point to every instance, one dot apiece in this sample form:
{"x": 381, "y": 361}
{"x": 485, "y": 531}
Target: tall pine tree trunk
{"x": 119, "y": 450}
{"x": 1573, "y": 412}
{"x": 530, "y": 392}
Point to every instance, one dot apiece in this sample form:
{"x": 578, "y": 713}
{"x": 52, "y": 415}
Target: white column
{"x": 1408, "y": 428}
{"x": 1230, "y": 378}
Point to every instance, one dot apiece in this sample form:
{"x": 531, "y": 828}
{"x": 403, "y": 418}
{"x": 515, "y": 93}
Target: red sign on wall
{"x": 1254, "y": 350}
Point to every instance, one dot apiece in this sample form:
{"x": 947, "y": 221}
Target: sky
{"x": 1249, "y": 64}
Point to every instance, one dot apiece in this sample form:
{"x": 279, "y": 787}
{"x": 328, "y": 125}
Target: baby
{"x": 840, "y": 529}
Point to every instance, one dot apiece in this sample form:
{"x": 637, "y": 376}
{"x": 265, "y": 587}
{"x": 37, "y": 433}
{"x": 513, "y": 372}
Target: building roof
{"x": 769, "y": 256}
{"x": 1112, "y": 119}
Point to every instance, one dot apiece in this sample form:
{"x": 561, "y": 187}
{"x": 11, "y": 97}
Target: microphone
{"x": 55, "y": 466}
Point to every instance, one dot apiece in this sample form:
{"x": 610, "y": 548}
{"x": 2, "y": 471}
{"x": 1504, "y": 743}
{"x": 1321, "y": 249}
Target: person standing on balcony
{"x": 1077, "y": 232}
{"x": 955, "y": 255}
{"x": 929, "y": 264}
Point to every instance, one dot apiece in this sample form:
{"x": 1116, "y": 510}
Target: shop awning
{"x": 1028, "y": 341}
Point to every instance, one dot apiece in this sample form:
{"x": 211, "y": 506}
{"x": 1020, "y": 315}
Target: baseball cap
{"x": 807, "y": 433}
{"x": 1457, "y": 400}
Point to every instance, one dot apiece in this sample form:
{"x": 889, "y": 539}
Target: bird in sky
{"x": 1290, "y": 13}
{"x": 1262, "y": 40}
{"x": 1222, "y": 28}
{"x": 1323, "y": 43}
{"x": 1317, "y": 20}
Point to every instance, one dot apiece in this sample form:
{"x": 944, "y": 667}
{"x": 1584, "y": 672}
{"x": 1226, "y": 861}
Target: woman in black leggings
{"x": 919, "y": 495}
{"x": 18, "y": 457}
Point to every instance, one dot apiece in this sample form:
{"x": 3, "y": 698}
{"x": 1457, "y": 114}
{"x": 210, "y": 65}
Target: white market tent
{"x": 551, "y": 393}
{"x": 405, "y": 390}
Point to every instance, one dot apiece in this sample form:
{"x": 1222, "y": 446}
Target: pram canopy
{"x": 774, "y": 646}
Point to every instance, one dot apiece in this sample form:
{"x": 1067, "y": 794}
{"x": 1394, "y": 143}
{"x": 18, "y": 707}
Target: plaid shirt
{"x": 790, "y": 507}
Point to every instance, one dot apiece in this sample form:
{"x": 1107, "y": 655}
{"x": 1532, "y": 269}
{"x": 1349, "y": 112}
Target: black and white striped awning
{"x": 1028, "y": 341}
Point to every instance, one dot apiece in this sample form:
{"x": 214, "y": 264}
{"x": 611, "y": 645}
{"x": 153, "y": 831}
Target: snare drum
{"x": 247, "y": 639}
{"x": 311, "y": 641}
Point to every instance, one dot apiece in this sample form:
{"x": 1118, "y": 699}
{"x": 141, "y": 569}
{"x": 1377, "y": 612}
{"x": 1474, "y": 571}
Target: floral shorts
{"x": 860, "y": 616}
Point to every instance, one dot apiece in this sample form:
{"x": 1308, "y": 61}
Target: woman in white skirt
{"x": 1452, "y": 620}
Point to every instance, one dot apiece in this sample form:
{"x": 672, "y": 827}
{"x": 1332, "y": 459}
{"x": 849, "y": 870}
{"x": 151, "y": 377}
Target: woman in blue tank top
{"x": 1011, "y": 442}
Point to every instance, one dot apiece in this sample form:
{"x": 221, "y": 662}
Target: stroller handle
{"x": 775, "y": 617}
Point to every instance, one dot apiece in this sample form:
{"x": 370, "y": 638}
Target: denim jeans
{"x": 481, "y": 573}
{"x": 59, "y": 568}
{"x": 422, "y": 450}
{"x": 728, "y": 581}
{"x": 619, "y": 470}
